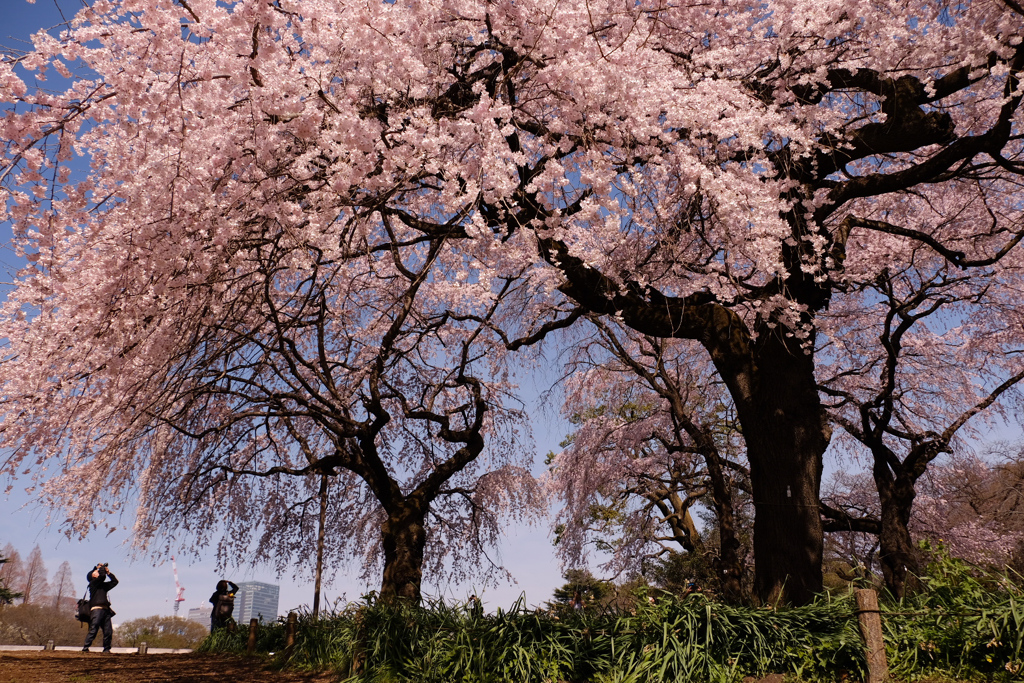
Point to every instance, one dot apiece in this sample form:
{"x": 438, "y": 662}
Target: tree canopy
{"x": 763, "y": 178}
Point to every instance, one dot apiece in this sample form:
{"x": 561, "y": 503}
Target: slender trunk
{"x": 896, "y": 548}
{"x": 403, "y": 536}
{"x": 786, "y": 433}
{"x": 320, "y": 546}
{"x": 676, "y": 511}
{"x": 730, "y": 569}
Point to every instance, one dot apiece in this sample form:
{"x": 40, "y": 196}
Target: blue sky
{"x": 146, "y": 589}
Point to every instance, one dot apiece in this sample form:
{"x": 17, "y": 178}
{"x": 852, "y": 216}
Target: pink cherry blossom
{"x": 470, "y": 178}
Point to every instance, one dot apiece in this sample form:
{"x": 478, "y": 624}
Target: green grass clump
{"x": 965, "y": 624}
{"x": 269, "y": 638}
{"x": 668, "y": 639}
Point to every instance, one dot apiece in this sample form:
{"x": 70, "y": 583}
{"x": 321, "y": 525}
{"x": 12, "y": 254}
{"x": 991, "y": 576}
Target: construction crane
{"x": 180, "y": 595}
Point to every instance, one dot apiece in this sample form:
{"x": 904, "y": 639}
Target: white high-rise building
{"x": 201, "y": 615}
{"x": 256, "y": 600}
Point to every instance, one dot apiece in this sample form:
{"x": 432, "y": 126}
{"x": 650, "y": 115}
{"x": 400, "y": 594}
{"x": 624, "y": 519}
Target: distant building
{"x": 256, "y": 600}
{"x": 200, "y": 615}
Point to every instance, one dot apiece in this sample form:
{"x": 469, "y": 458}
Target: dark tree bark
{"x": 320, "y": 533}
{"x": 786, "y": 434}
{"x": 896, "y": 548}
{"x": 772, "y": 383}
{"x": 730, "y": 568}
{"x": 404, "y": 537}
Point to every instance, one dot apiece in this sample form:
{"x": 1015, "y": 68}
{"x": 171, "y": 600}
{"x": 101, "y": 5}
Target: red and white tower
{"x": 180, "y": 595}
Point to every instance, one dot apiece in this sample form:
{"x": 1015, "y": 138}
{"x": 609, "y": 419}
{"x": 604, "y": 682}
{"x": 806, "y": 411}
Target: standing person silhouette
{"x": 101, "y": 580}
{"x": 223, "y": 601}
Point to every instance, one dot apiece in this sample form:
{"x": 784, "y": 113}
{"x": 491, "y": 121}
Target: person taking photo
{"x": 223, "y": 601}
{"x": 101, "y": 580}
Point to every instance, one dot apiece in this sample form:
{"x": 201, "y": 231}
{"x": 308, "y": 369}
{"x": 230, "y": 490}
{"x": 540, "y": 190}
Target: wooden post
{"x": 289, "y": 632}
{"x": 143, "y": 648}
{"x": 870, "y": 620}
{"x": 254, "y": 624}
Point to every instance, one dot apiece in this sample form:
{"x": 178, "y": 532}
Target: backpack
{"x": 225, "y": 606}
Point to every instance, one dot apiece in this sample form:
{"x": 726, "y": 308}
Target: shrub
{"x": 161, "y": 631}
{"x": 965, "y": 622}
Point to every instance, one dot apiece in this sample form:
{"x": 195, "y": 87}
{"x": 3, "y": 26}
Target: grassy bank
{"x": 964, "y": 624}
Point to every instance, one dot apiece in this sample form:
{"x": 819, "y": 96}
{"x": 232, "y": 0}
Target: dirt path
{"x": 77, "y": 667}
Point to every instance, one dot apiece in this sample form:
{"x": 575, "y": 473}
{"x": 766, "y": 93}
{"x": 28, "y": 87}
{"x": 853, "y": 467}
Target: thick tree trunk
{"x": 403, "y": 536}
{"x": 786, "y": 434}
{"x": 770, "y": 377}
{"x": 896, "y": 547}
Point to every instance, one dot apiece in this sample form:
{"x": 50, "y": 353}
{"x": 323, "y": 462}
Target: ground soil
{"x": 95, "y": 667}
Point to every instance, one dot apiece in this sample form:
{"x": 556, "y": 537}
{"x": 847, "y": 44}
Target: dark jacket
{"x": 98, "y": 588}
{"x": 231, "y": 588}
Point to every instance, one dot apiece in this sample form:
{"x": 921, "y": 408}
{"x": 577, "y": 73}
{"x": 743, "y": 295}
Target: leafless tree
{"x": 63, "y": 587}
{"x": 36, "y": 586}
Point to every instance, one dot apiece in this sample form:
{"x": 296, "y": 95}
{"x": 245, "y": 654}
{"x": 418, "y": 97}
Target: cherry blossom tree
{"x": 655, "y": 437}
{"x": 906, "y": 400}
{"x": 727, "y": 174}
{"x": 634, "y": 501}
{"x": 974, "y": 508}
{"x": 971, "y": 506}
{"x": 285, "y": 385}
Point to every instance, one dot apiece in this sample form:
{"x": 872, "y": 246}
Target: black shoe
{"x": 85, "y": 649}
{"x": 107, "y": 652}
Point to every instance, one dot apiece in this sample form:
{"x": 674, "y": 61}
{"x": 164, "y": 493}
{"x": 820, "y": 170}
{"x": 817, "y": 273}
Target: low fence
{"x": 141, "y": 649}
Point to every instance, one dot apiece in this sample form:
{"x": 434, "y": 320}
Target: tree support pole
{"x": 870, "y": 620}
{"x": 320, "y": 546}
